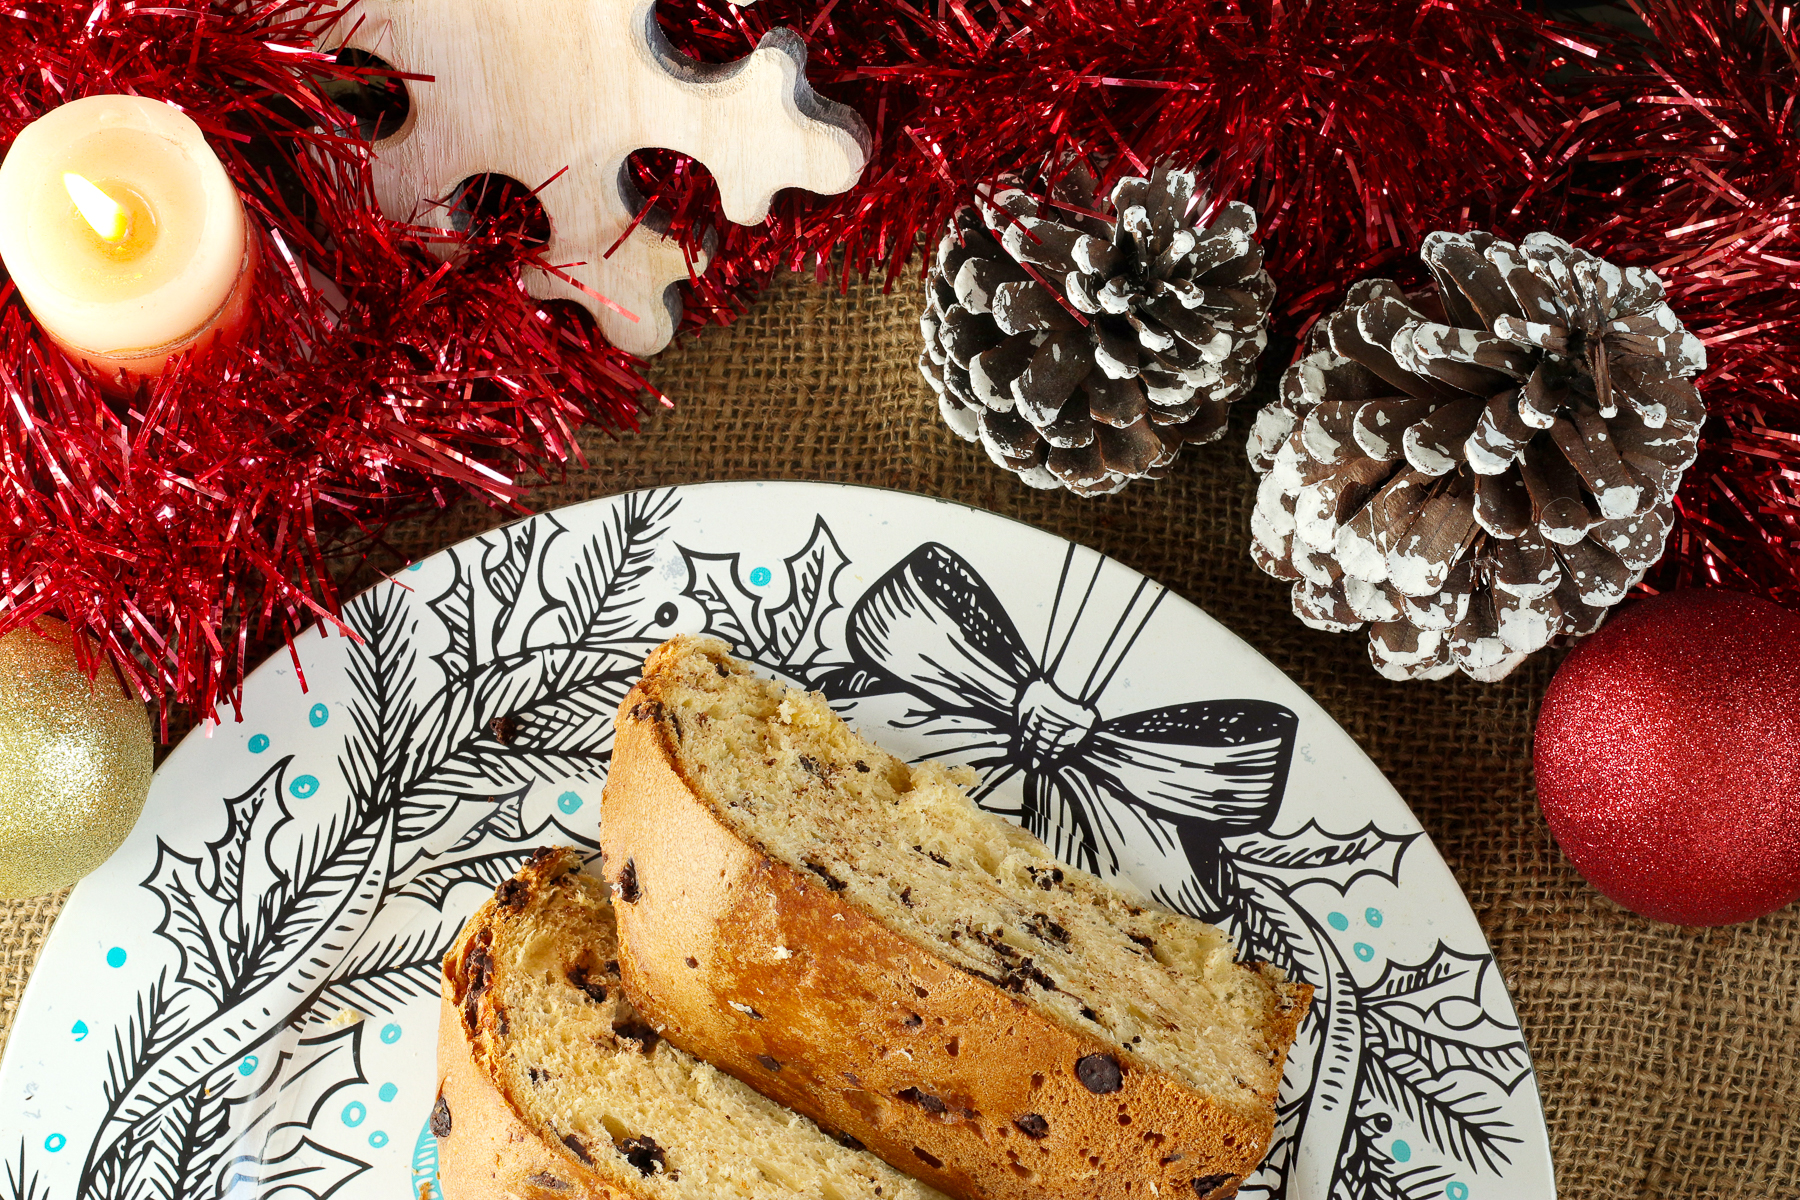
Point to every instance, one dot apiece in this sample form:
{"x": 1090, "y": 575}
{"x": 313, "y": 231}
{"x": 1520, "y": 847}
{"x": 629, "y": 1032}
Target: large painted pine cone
{"x": 1084, "y": 350}
{"x": 1474, "y": 471}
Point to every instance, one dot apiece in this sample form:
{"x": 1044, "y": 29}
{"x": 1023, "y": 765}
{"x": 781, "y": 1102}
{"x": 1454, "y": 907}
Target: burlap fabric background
{"x": 1669, "y": 1059}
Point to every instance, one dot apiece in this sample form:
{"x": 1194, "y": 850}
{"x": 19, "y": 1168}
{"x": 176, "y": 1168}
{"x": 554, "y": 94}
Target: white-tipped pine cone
{"x": 1474, "y": 471}
{"x": 1084, "y": 350}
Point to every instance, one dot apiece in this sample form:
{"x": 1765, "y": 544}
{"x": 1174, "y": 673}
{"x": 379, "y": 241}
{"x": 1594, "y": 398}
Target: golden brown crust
{"x": 487, "y": 1148}
{"x": 770, "y": 975}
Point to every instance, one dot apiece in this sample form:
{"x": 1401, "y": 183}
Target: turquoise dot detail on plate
{"x": 760, "y": 577}
{"x": 259, "y": 743}
{"x": 354, "y": 1112}
{"x": 418, "y": 566}
{"x": 115, "y": 958}
{"x": 568, "y": 802}
{"x": 80, "y": 1030}
{"x": 378, "y": 1139}
{"x": 248, "y": 1066}
{"x": 1373, "y": 917}
{"x": 1402, "y": 1152}
{"x": 1364, "y": 951}
{"x": 55, "y": 1142}
{"x": 388, "y": 1092}
{"x": 303, "y": 786}
{"x": 390, "y": 1034}
{"x": 1457, "y": 1190}
{"x": 1338, "y": 921}
{"x": 318, "y": 715}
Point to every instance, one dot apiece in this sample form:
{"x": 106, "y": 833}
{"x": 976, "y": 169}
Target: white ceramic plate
{"x": 178, "y": 1037}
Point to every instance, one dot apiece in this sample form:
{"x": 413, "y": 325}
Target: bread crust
{"x": 490, "y": 1151}
{"x": 772, "y": 976}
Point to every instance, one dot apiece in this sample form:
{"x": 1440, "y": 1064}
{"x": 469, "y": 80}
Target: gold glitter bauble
{"x": 75, "y": 762}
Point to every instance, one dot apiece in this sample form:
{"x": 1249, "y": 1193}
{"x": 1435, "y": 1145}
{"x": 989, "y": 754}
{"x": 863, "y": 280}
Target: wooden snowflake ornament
{"x": 528, "y": 91}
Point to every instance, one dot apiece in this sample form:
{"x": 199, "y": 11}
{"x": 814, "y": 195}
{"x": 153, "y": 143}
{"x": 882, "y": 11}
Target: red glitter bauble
{"x": 1668, "y": 758}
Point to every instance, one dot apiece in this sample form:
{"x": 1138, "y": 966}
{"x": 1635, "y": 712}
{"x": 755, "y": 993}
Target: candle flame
{"x": 106, "y": 215}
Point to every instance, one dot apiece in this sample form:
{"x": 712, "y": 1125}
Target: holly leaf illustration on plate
{"x": 1435, "y": 1010}
{"x": 784, "y": 636}
{"x": 1313, "y": 854}
{"x": 194, "y": 919}
{"x": 1435, "y": 1054}
{"x": 731, "y": 605}
{"x": 275, "y": 1156}
{"x": 794, "y": 637}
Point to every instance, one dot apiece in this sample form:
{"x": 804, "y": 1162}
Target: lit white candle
{"x": 124, "y": 234}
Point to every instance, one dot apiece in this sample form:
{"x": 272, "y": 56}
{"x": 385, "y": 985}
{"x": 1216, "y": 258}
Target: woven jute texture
{"x": 1669, "y": 1059}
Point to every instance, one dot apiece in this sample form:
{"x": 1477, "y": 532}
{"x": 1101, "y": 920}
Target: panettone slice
{"x": 552, "y": 1087}
{"x": 851, "y": 935}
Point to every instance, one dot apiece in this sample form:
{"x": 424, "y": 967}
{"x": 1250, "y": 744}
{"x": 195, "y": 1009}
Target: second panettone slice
{"x": 852, "y": 936}
{"x": 551, "y": 1087}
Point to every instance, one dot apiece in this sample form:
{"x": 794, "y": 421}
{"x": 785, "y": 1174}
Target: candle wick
{"x": 110, "y": 219}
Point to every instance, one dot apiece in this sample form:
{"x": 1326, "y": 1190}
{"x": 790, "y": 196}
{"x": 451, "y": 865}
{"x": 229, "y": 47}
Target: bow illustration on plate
{"x": 1105, "y": 793}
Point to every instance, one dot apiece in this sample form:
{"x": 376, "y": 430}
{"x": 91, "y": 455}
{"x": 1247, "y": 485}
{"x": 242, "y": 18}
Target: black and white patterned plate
{"x": 189, "y": 1033}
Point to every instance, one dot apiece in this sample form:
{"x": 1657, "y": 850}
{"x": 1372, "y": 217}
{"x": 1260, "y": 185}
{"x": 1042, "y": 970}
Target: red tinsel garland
{"x": 176, "y": 526}
{"x": 1685, "y": 157}
{"x": 1354, "y": 128}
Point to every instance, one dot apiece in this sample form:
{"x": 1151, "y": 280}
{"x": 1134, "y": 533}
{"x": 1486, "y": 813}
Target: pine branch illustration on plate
{"x": 274, "y": 922}
{"x": 20, "y": 1184}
